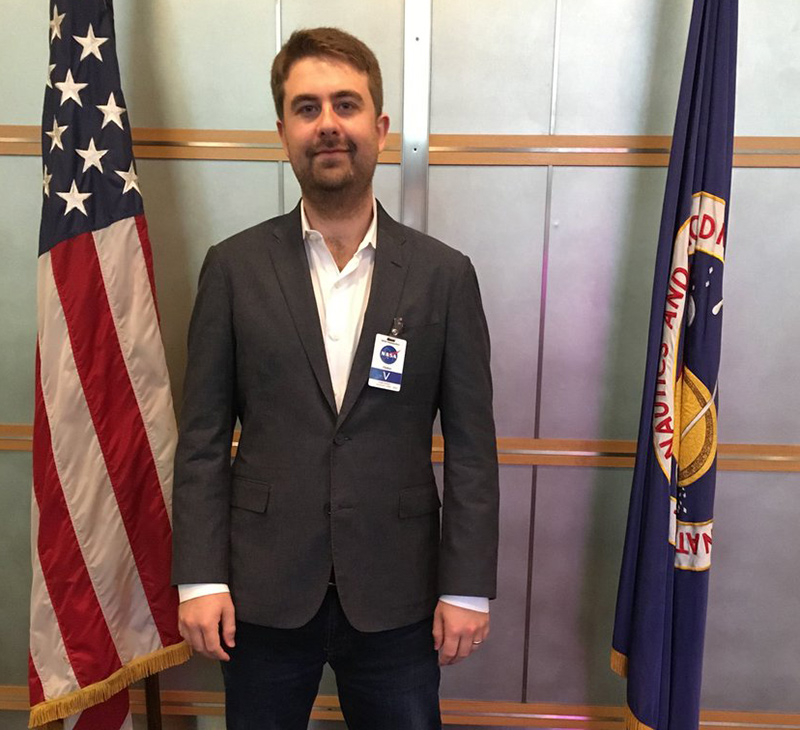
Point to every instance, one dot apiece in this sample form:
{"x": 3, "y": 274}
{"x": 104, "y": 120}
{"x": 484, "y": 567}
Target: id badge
{"x": 386, "y": 371}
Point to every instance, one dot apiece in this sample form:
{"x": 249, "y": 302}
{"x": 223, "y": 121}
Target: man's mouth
{"x": 325, "y": 151}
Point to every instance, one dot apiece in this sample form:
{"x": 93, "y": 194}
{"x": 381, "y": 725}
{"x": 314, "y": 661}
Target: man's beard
{"x": 339, "y": 182}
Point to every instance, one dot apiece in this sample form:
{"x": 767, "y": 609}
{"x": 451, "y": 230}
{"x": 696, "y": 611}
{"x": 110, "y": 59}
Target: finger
{"x": 183, "y": 629}
{"x": 229, "y": 625}
{"x": 195, "y": 638}
{"x": 438, "y": 630}
{"x": 449, "y": 649}
{"x": 188, "y": 630}
{"x": 480, "y": 633}
{"x": 213, "y": 649}
{"x": 183, "y": 626}
{"x": 480, "y": 636}
{"x": 471, "y": 641}
{"x": 460, "y": 655}
{"x": 465, "y": 647}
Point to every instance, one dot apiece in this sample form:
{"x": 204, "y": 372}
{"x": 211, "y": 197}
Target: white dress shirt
{"x": 342, "y": 298}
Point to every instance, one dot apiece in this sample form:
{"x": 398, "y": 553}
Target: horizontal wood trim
{"x": 596, "y": 150}
{"x": 444, "y": 149}
{"x": 541, "y": 159}
{"x": 471, "y": 713}
{"x": 552, "y": 452}
{"x": 610, "y": 453}
{"x": 619, "y": 144}
{"x": 185, "y": 144}
{"x": 15, "y": 445}
{"x": 16, "y": 437}
{"x": 16, "y": 431}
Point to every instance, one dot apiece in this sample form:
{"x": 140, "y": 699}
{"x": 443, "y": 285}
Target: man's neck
{"x": 343, "y": 226}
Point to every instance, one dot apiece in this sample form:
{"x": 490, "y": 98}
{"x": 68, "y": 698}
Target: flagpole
{"x": 152, "y": 701}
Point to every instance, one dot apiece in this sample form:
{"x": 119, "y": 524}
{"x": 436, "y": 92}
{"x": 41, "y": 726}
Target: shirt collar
{"x": 370, "y": 237}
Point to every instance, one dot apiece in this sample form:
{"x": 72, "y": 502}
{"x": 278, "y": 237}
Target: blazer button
{"x": 340, "y": 438}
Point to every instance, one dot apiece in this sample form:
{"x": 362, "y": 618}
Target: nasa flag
{"x": 661, "y": 602}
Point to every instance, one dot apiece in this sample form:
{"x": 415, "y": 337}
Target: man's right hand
{"x": 200, "y": 620}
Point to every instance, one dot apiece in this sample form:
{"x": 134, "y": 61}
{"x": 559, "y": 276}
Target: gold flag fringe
{"x": 632, "y": 722}
{"x": 619, "y": 663}
{"x": 45, "y": 714}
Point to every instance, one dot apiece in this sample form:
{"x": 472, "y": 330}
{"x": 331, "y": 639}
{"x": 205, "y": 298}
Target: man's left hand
{"x": 457, "y": 632}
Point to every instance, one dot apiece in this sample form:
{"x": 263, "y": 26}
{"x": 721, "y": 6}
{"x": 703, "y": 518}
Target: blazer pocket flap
{"x": 249, "y": 494}
{"x": 420, "y": 500}
{"x": 414, "y": 325}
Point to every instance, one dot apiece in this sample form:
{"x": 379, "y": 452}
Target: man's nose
{"x": 328, "y": 121}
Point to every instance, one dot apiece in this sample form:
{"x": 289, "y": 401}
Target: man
{"x": 335, "y": 335}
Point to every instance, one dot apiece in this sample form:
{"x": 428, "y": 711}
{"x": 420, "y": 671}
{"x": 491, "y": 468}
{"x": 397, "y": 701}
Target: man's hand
{"x": 457, "y": 632}
{"x": 199, "y": 622}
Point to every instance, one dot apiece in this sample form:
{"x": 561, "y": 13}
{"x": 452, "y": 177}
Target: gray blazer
{"x": 310, "y": 488}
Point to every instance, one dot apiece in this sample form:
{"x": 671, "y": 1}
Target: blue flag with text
{"x": 663, "y": 590}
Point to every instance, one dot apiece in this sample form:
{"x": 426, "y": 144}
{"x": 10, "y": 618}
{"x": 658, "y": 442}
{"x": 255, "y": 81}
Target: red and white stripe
{"x": 115, "y": 713}
{"x": 104, "y": 437}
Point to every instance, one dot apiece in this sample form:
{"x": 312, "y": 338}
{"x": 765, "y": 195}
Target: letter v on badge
{"x": 388, "y": 356}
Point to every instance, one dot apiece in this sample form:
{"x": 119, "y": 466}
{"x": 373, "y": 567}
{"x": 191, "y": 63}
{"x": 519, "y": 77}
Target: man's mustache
{"x": 349, "y": 147}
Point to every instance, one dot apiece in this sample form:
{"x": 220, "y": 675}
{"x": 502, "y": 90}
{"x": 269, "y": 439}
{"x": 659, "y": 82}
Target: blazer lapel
{"x": 388, "y": 277}
{"x": 291, "y": 267}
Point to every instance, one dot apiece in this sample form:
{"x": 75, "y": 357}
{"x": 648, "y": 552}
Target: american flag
{"x": 103, "y": 613}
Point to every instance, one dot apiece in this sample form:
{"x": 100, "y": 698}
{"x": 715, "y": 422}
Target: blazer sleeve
{"x": 468, "y": 550}
{"x": 201, "y": 491}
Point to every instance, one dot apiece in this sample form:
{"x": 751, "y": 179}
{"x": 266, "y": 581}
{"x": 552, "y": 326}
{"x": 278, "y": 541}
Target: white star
{"x": 46, "y": 182}
{"x": 91, "y": 44}
{"x": 91, "y": 156}
{"x": 50, "y": 75}
{"x": 74, "y": 199}
{"x": 111, "y": 112}
{"x": 130, "y": 178}
{"x": 70, "y": 89}
{"x": 55, "y": 24}
{"x": 55, "y": 135}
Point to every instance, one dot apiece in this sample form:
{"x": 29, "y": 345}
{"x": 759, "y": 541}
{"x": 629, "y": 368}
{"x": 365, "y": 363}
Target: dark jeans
{"x": 387, "y": 680}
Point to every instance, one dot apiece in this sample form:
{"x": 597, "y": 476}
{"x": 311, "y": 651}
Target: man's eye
{"x": 307, "y": 109}
{"x": 347, "y": 106}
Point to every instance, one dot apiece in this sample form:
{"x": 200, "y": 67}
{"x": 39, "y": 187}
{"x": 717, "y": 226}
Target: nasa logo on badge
{"x": 386, "y": 371}
{"x": 389, "y": 355}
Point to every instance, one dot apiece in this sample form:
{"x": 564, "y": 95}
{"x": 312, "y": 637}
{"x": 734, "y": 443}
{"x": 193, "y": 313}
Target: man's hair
{"x": 330, "y": 43}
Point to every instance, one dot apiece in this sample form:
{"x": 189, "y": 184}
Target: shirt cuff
{"x": 473, "y": 603}
{"x": 188, "y": 591}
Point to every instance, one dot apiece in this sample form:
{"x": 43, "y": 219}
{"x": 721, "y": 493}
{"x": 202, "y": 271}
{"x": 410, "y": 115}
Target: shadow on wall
{"x": 624, "y": 378}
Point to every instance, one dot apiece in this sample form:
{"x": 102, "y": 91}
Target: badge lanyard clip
{"x": 397, "y": 327}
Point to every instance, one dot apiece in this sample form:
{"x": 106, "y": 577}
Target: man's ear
{"x": 282, "y": 135}
{"x": 382, "y": 125}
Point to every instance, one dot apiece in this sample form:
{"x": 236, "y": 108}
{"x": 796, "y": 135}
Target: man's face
{"x": 330, "y": 131}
